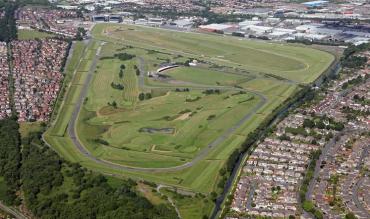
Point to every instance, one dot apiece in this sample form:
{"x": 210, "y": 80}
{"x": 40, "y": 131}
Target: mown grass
{"x": 204, "y": 76}
{"x": 33, "y": 34}
{"x": 63, "y": 108}
{"x": 129, "y": 146}
{"x": 301, "y": 64}
{"x": 119, "y": 127}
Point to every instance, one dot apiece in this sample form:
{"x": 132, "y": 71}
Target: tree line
{"x": 10, "y": 159}
{"x": 54, "y": 188}
{"x": 8, "y": 25}
{"x": 265, "y": 128}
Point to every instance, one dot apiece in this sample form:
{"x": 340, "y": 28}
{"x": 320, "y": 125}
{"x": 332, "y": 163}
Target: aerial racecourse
{"x": 170, "y": 107}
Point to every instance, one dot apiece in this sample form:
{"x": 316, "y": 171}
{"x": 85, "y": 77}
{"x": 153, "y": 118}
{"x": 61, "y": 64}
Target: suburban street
{"x": 359, "y": 183}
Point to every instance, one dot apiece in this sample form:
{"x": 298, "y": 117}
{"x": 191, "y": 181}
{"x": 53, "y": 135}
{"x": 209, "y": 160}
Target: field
{"x": 293, "y": 63}
{"x": 32, "y": 34}
{"x": 184, "y": 123}
{"x": 205, "y": 76}
{"x": 160, "y": 132}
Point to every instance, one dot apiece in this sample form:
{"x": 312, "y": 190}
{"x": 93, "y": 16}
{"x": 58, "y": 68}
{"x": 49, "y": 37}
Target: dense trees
{"x": 349, "y": 59}
{"x": 10, "y": 158}
{"x": 354, "y": 62}
{"x": 54, "y": 188}
{"x": 352, "y": 49}
{"x": 81, "y": 33}
{"x": 8, "y": 25}
{"x": 88, "y": 195}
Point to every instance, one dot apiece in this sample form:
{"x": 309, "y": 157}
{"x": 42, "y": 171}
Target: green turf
{"x": 101, "y": 91}
{"x": 77, "y": 53}
{"x": 127, "y": 145}
{"x": 120, "y": 126}
{"x": 295, "y": 63}
{"x": 74, "y": 90}
{"x": 33, "y": 34}
{"x": 204, "y": 76}
{"x": 131, "y": 90}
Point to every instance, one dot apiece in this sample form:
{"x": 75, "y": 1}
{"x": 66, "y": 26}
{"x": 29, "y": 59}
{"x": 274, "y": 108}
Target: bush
{"x": 308, "y": 206}
{"x": 350, "y": 215}
{"x": 124, "y": 56}
{"x": 117, "y": 86}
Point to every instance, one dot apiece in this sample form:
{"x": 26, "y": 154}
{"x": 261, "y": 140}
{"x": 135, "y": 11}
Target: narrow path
{"x": 169, "y": 199}
{"x": 11, "y": 211}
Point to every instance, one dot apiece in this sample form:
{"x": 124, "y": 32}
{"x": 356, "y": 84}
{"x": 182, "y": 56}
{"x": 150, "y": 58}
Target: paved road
{"x": 200, "y": 156}
{"x": 323, "y": 156}
{"x": 324, "y": 151}
{"x": 358, "y": 184}
{"x": 9, "y": 210}
{"x": 250, "y": 195}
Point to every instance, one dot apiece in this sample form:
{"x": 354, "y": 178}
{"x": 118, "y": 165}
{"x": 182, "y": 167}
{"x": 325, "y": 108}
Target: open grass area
{"x": 74, "y": 79}
{"x": 171, "y": 127}
{"x": 204, "y": 76}
{"x": 190, "y": 206}
{"x": 301, "y": 64}
{"x": 163, "y": 131}
{"x": 25, "y": 128}
{"x": 32, "y": 34}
